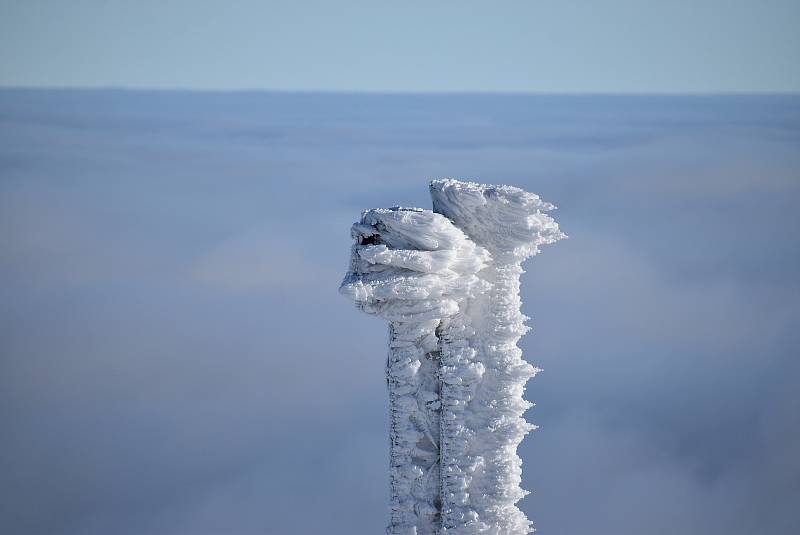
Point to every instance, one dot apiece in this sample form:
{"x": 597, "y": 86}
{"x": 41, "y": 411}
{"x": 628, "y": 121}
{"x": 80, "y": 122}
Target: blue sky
{"x": 618, "y": 46}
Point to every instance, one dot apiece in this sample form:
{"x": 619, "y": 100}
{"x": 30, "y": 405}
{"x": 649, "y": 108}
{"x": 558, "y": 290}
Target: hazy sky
{"x": 518, "y": 46}
{"x": 175, "y": 358}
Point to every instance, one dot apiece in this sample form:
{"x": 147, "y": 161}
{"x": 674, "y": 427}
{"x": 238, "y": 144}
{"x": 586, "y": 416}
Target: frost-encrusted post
{"x": 449, "y": 286}
{"x": 413, "y": 268}
{"x": 482, "y": 422}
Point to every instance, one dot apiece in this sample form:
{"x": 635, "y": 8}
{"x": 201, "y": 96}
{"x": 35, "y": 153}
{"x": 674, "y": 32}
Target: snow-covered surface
{"x": 448, "y": 283}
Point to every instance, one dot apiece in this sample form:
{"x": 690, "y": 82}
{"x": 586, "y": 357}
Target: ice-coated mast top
{"x": 410, "y": 264}
{"x": 448, "y": 283}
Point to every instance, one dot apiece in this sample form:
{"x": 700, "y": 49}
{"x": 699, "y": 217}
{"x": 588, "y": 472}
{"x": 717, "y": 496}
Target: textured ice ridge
{"x": 447, "y": 282}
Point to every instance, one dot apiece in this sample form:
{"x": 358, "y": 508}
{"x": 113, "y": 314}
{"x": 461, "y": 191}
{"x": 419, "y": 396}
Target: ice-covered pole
{"x": 449, "y": 287}
{"x": 482, "y": 422}
{"x": 413, "y": 268}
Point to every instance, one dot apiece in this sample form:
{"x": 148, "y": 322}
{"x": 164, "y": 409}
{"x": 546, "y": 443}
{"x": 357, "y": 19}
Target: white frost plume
{"x": 502, "y": 218}
{"x": 448, "y": 283}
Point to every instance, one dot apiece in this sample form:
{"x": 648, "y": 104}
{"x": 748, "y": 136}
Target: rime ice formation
{"x": 413, "y": 268}
{"x": 448, "y": 283}
{"x": 482, "y": 414}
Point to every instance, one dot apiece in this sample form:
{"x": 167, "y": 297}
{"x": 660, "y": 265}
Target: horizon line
{"x": 367, "y": 92}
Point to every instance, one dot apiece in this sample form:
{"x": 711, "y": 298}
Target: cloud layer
{"x": 176, "y": 359}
